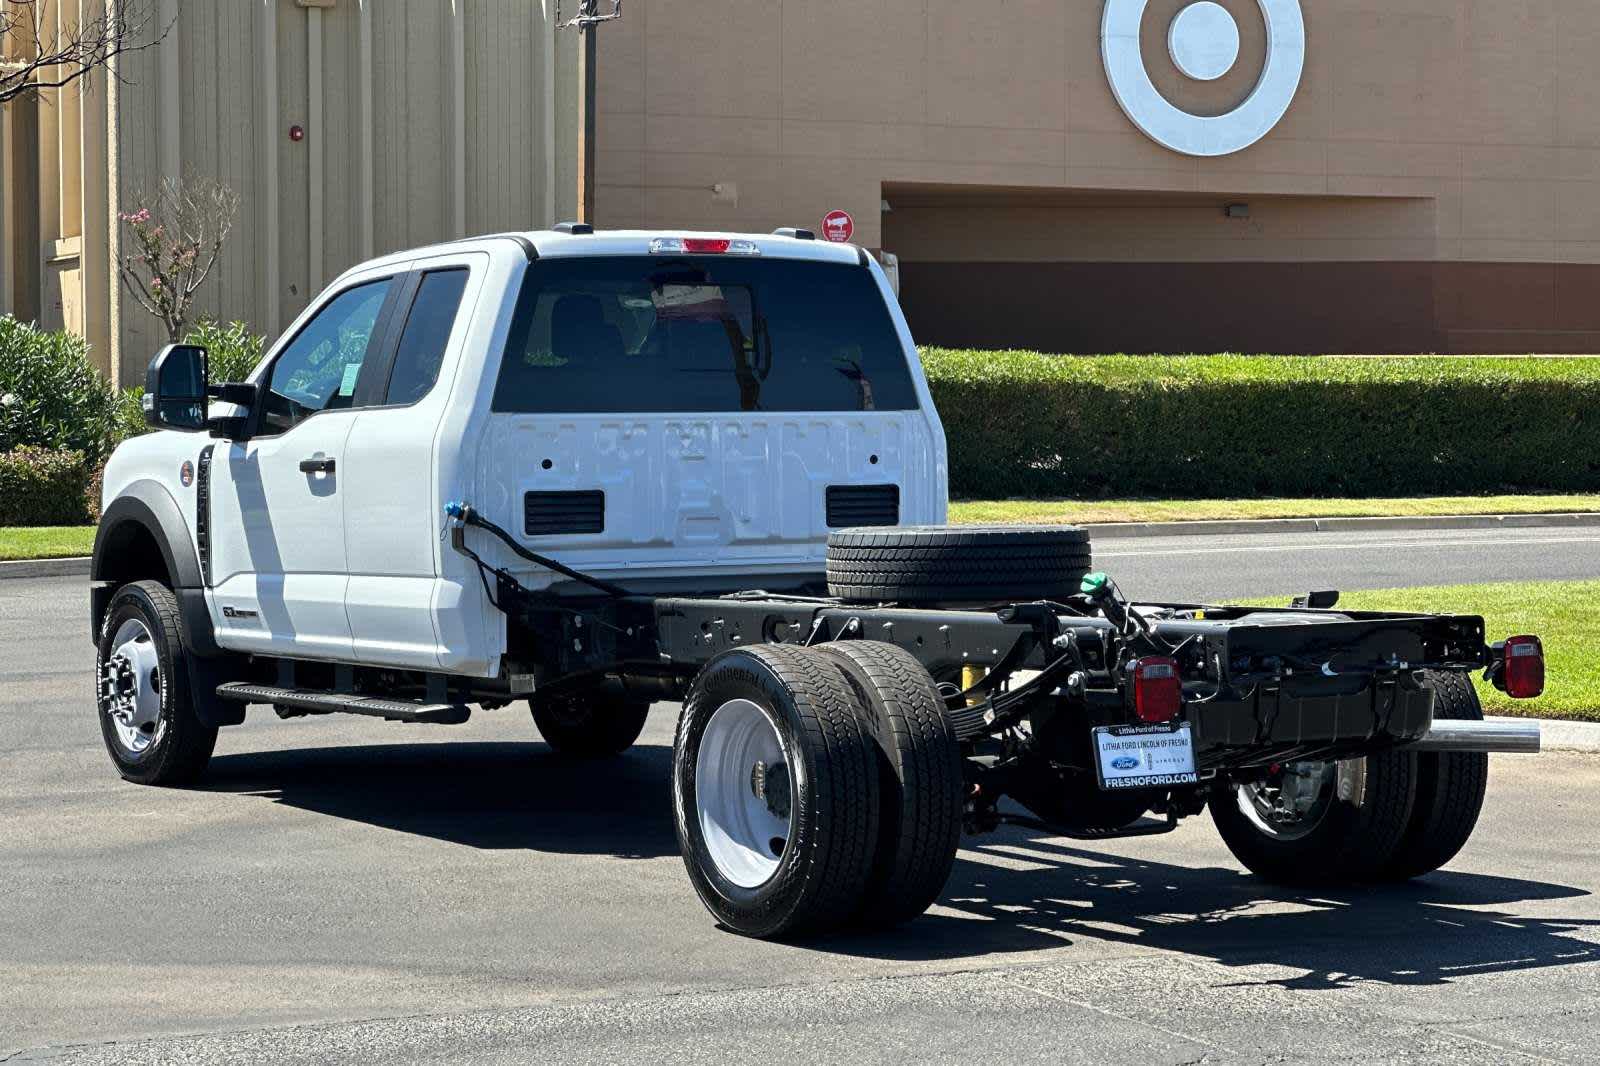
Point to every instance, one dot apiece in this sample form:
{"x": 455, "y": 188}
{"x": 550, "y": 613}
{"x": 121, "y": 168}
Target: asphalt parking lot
{"x": 348, "y": 888}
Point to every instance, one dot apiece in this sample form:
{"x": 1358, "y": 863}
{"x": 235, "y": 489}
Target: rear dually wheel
{"x": 1318, "y": 823}
{"x": 775, "y": 792}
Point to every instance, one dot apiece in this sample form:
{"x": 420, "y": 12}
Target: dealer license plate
{"x": 1145, "y": 756}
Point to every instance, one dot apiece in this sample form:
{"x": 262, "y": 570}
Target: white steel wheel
{"x": 146, "y": 708}
{"x": 1311, "y": 823}
{"x": 130, "y": 684}
{"x": 743, "y": 793}
{"x": 775, "y": 792}
{"x": 1290, "y": 804}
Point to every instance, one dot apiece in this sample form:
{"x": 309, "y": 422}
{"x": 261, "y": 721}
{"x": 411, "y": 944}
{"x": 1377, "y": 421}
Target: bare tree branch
{"x": 588, "y": 14}
{"x": 35, "y": 55}
{"x": 175, "y": 236}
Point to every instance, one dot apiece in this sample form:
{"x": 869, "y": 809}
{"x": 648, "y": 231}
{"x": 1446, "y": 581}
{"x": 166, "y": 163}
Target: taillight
{"x": 702, "y": 246}
{"x": 1524, "y": 667}
{"x": 1157, "y": 689}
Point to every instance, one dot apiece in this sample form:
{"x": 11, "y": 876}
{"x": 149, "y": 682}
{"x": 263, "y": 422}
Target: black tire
{"x": 180, "y": 744}
{"x": 1354, "y": 839}
{"x": 589, "y": 725}
{"x": 825, "y": 863}
{"x": 1450, "y": 788}
{"x": 919, "y": 777}
{"x": 957, "y": 564}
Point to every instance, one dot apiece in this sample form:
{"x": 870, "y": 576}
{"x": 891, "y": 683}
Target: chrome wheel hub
{"x": 1290, "y": 802}
{"x": 130, "y": 687}
{"x": 742, "y": 793}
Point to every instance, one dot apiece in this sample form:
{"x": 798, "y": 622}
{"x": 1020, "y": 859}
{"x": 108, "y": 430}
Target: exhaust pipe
{"x": 1454, "y": 735}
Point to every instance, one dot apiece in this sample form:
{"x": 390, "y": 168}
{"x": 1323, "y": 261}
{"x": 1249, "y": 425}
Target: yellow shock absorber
{"x": 971, "y": 674}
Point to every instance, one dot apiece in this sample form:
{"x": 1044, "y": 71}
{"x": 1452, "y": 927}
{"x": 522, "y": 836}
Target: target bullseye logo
{"x": 1203, "y": 43}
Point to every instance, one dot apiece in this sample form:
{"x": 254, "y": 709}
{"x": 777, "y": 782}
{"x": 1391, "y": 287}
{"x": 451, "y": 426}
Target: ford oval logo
{"x": 1124, "y": 762}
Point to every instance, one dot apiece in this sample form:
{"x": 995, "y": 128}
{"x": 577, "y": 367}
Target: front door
{"x": 279, "y": 566}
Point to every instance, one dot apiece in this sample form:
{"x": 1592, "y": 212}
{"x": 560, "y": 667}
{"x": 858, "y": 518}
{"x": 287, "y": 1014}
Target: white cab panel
{"x": 392, "y": 510}
{"x": 279, "y": 567}
{"x": 697, "y": 495}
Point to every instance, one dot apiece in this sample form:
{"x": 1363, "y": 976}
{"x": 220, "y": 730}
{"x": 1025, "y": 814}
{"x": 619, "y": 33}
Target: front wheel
{"x": 146, "y": 708}
{"x": 1318, "y": 823}
{"x": 775, "y": 791}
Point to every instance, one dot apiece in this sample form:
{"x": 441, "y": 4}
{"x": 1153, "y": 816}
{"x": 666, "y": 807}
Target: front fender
{"x": 145, "y": 508}
{"x": 148, "y": 504}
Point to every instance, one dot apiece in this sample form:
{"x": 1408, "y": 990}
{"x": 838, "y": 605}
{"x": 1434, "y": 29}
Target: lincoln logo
{"x": 1203, "y": 44}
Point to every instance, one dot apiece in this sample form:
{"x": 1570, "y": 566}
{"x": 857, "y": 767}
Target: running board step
{"x": 316, "y": 701}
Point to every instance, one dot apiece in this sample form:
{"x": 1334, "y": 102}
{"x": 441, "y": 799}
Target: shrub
{"x": 42, "y": 487}
{"x": 1030, "y": 425}
{"x": 51, "y": 395}
{"x": 232, "y": 351}
{"x": 129, "y": 418}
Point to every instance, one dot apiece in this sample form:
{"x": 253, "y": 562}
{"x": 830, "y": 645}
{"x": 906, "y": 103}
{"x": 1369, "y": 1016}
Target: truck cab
{"x": 693, "y": 410}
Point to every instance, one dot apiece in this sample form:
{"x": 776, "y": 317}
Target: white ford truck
{"x": 595, "y": 471}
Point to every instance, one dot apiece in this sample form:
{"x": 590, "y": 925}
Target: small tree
{"x": 35, "y": 54}
{"x": 174, "y": 239}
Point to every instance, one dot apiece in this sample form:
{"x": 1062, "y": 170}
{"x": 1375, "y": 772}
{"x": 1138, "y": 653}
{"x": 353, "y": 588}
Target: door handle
{"x": 316, "y": 466}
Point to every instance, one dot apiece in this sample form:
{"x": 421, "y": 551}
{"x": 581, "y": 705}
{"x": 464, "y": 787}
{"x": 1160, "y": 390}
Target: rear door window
{"x": 420, "y": 352}
{"x": 701, "y": 334}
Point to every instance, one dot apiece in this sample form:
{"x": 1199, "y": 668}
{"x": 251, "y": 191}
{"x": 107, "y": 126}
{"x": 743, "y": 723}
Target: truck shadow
{"x": 1015, "y": 891}
{"x": 478, "y": 794}
{"x": 1011, "y": 891}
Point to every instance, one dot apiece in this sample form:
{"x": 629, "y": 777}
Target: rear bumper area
{"x": 1317, "y": 718}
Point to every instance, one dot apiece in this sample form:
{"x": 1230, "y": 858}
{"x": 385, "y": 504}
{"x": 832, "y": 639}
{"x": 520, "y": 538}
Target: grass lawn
{"x": 45, "y": 542}
{"x": 1194, "y": 510}
{"x": 1564, "y": 614}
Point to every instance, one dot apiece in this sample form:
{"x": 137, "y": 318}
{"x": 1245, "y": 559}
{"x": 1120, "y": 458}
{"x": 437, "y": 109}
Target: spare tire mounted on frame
{"x": 957, "y": 565}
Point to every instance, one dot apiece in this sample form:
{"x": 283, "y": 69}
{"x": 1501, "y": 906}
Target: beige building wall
{"x": 1459, "y": 135}
{"x": 1435, "y": 183}
{"x": 422, "y": 120}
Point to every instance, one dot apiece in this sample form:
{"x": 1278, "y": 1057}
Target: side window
{"x": 319, "y": 368}
{"x": 427, "y": 331}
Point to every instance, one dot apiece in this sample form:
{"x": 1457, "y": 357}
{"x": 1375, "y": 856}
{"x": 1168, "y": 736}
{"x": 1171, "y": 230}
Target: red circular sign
{"x": 838, "y": 226}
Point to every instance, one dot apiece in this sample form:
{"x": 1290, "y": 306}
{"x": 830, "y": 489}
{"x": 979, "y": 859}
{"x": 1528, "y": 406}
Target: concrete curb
{"x": 1556, "y": 735}
{"x": 1341, "y": 525}
{"x": 74, "y": 567}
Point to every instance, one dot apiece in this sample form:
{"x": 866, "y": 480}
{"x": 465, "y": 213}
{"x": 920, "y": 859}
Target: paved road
{"x": 345, "y": 888}
{"x": 1265, "y": 564}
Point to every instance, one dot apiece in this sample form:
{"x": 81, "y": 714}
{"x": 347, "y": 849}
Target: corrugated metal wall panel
{"x": 342, "y": 140}
{"x": 229, "y": 54}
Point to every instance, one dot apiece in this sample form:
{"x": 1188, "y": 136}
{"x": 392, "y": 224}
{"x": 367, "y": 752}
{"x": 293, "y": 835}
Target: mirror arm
{"x": 235, "y": 392}
{"x": 235, "y": 427}
{"x": 240, "y": 394}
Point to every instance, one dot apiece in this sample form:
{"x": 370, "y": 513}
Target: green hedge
{"x": 1188, "y": 427}
{"x": 51, "y": 393}
{"x": 232, "y": 351}
{"x": 44, "y": 487}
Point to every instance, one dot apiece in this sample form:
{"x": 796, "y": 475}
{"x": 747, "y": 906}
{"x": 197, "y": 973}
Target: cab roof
{"x": 558, "y": 244}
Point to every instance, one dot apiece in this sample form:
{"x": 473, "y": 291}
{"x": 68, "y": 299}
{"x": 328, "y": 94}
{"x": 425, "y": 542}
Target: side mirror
{"x": 175, "y": 389}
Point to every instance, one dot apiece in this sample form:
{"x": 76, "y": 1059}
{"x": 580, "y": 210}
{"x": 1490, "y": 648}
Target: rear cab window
{"x": 705, "y": 334}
